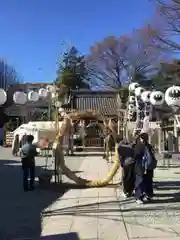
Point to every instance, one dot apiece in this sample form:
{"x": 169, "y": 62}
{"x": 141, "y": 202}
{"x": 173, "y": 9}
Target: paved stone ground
{"x": 20, "y": 213}
{"x": 87, "y": 213}
{"x": 104, "y": 214}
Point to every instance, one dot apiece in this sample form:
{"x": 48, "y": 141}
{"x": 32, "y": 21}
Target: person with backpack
{"x": 125, "y": 152}
{"x": 28, "y": 153}
{"x": 145, "y": 163}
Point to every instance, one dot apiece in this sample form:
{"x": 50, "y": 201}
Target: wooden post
{"x": 72, "y": 139}
{"x": 159, "y": 140}
{"x": 119, "y": 103}
{"x": 175, "y": 136}
{"x": 82, "y": 125}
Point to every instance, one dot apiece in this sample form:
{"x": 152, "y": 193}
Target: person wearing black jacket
{"x": 144, "y": 177}
{"x": 125, "y": 152}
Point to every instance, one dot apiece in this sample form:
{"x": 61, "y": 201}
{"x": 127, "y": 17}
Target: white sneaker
{"x": 146, "y": 198}
{"x": 138, "y": 201}
{"x": 124, "y": 195}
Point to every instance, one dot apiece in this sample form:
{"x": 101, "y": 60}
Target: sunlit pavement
{"x": 20, "y": 213}
{"x": 90, "y": 213}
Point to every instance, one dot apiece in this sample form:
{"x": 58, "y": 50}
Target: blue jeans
{"x": 139, "y": 186}
{"x": 144, "y": 185}
{"x": 28, "y": 171}
{"x": 148, "y": 183}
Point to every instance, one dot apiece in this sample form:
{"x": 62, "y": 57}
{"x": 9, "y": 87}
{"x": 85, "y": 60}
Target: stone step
{"x": 91, "y": 149}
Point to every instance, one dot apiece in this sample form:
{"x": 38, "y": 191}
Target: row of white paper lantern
{"x": 156, "y": 98}
{"x": 21, "y": 98}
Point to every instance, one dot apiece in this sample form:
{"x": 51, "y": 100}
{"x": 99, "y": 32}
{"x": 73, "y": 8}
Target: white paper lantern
{"x": 132, "y": 99}
{"x": 3, "y": 96}
{"x": 20, "y": 97}
{"x": 131, "y": 107}
{"x": 157, "y": 98}
{"x": 58, "y": 104}
{"x": 51, "y": 88}
{"x": 133, "y": 86}
{"x": 172, "y": 96}
{"x": 33, "y": 96}
{"x": 139, "y": 91}
{"x": 130, "y": 117}
{"x": 43, "y": 93}
{"x": 145, "y": 96}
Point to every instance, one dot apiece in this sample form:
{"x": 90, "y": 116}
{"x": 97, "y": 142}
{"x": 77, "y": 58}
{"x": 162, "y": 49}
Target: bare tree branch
{"x": 110, "y": 62}
{"x": 9, "y": 80}
{"x": 168, "y": 35}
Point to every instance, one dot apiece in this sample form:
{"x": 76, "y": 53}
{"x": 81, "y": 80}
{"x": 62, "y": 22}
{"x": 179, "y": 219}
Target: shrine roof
{"x": 88, "y": 92}
{"x": 104, "y": 102}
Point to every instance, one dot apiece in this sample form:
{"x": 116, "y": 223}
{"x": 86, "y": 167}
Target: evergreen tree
{"x": 72, "y": 73}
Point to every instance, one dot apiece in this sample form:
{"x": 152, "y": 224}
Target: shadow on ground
{"x": 167, "y": 185}
{"x": 21, "y": 211}
{"x": 114, "y": 210}
{"x": 166, "y": 167}
{"x": 89, "y": 154}
{"x": 108, "y": 207}
{"x": 68, "y": 236}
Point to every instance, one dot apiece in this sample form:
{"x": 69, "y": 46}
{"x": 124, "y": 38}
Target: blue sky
{"x": 32, "y": 30}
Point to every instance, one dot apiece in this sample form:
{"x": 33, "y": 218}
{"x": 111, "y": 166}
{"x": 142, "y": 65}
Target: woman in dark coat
{"x": 144, "y": 177}
{"x": 125, "y": 152}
